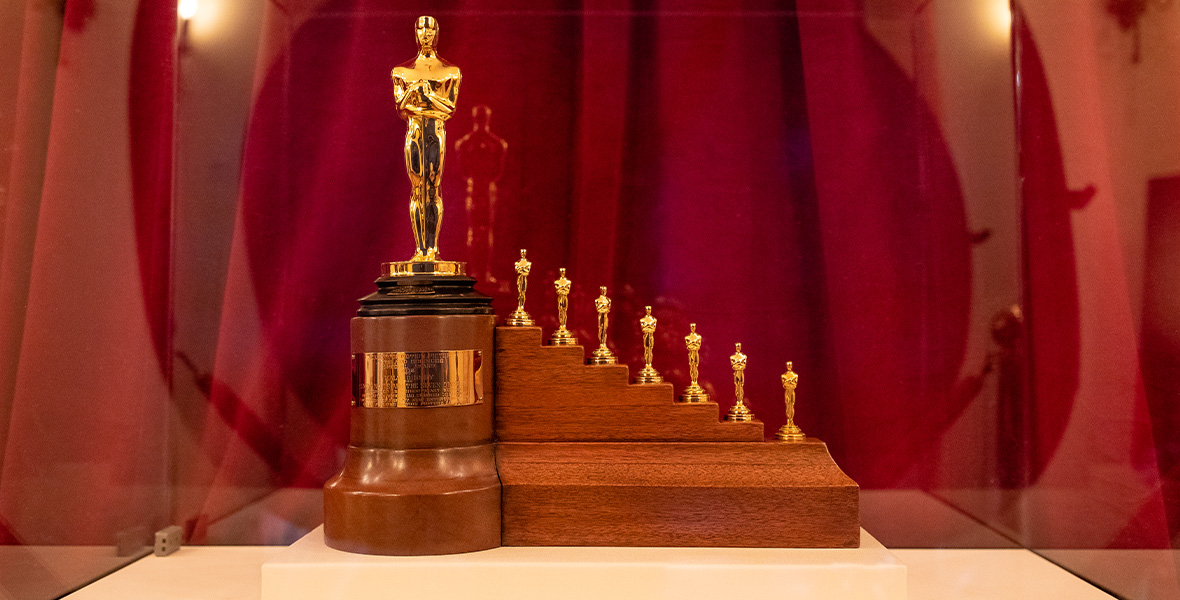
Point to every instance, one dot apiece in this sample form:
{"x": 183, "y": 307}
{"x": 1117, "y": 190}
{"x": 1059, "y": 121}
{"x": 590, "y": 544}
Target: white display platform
{"x": 309, "y": 570}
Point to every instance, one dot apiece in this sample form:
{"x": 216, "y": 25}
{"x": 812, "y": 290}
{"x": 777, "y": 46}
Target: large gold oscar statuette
{"x": 419, "y": 473}
{"x": 519, "y": 317}
{"x": 647, "y": 324}
{"x": 739, "y": 412}
{"x": 425, "y": 90}
{"x": 694, "y": 392}
{"x": 602, "y": 355}
{"x": 790, "y": 432}
{"x": 562, "y": 336}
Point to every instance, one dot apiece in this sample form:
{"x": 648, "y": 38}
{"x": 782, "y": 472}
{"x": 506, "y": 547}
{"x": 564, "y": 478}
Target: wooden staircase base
{"x": 730, "y": 494}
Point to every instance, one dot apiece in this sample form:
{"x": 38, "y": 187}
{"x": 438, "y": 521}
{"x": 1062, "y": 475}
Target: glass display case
{"x": 957, "y": 218}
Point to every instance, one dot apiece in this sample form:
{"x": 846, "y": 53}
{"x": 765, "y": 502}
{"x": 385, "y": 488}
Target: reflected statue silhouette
{"x": 481, "y": 160}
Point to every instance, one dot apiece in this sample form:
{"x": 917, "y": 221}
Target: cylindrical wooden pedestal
{"x": 419, "y": 480}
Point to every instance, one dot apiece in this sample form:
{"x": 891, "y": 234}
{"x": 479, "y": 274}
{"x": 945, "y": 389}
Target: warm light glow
{"x": 1002, "y": 16}
{"x": 187, "y": 9}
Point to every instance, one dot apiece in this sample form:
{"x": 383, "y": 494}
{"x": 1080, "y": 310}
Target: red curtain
{"x": 769, "y": 173}
{"x": 84, "y": 276}
{"x": 1051, "y": 271}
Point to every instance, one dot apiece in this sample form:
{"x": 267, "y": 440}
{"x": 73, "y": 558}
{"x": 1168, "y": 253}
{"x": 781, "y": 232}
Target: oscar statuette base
{"x": 563, "y": 337}
{"x": 407, "y": 268}
{"x": 739, "y": 414}
{"x": 519, "y": 318}
{"x": 419, "y": 475}
{"x": 790, "y": 433}
{"x": 693, "y": 394}
{"x": 648, "y": 376}
{"x": 602, "y": 356}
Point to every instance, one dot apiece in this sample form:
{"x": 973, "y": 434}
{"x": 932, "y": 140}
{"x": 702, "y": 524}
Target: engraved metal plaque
{"x": 417, "y": 379}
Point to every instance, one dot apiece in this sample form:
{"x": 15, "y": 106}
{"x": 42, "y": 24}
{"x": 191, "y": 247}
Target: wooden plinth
{"x": 414, "y": 502}
{"x": 418, "y": 480}
{"x": 587, "y": 459}
{"x": 730, "y": 494}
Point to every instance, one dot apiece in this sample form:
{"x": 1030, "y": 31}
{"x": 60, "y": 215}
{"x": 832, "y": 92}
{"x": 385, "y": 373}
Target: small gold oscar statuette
{"x": 603, "y": 355}
{"x": 739, "y": 412}
{"x": 790, "y": 432}
{"x": 562, "y": 337}
{"x": 647, "y": 325}
{"x": 694, "y": 393}
{"x": 520, "y": 318}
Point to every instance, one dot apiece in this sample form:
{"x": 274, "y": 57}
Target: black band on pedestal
{"x": 425, "y": 295}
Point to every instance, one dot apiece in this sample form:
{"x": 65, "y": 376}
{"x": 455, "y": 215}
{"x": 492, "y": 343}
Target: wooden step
{"x": 734, "y": 494}
{"x": 548, "y": 393}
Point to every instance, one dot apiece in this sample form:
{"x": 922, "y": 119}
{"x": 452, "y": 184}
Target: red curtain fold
{"x": 1160, "y": 338}
{"x": 897, "y": 271}
{"x": 150, "y": 102}
{"x": 1051, "y": 287}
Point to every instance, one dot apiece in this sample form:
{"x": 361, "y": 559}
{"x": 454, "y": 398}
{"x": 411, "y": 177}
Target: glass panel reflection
{"x": 955, "y": 218}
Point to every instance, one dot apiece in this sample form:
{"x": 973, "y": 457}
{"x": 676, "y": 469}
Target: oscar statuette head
{"x": 426, "y": 30}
